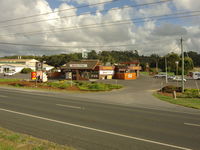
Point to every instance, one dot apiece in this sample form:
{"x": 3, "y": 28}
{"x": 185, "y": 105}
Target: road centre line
{"x": 192, "y": 124}
{"x": 96, "y": 130}
{"x": 69, "y": 106}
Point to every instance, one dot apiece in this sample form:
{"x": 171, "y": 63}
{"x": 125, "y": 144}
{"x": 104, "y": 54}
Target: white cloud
{"x": 148, "y": 37}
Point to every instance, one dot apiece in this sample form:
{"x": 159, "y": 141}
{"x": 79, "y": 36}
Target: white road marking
{"x": 96, "y": 130}
{"x": 69, "y": 106}
{"x": 192, "y": 124}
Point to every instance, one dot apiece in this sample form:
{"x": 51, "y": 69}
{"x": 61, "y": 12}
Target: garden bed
{"x": 190, "y": 98}
{"x": 63, "y": 85}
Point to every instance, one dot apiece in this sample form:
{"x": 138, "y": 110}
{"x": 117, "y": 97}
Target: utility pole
{"x": 166, "y": 70}
{"x": 182, "y": 53}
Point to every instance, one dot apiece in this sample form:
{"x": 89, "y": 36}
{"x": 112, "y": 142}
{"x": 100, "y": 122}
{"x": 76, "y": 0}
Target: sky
{"x": 47, "y": 27}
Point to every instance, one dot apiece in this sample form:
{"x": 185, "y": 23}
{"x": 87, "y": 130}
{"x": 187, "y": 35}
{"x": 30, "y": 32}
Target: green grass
{"x": 93, "y": 86}
{"x": 168, "y": 73}
{"x": 144, "y": 73}
{"x": 14, "y": 141}
{"x": 6, "y": 147}
{"x": 9, "y": 80}
{"x": 58, "y": 84}
{"x": 187, "y": 102}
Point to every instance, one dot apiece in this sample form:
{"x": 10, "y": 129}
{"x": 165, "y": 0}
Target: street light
{"x": 177, "y": 62}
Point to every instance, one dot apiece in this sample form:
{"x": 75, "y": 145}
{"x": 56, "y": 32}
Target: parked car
{"x": 9, "y": 73}
{"x": 170, "y": 77}
{"x": 161, "y": 75}
{"x": 177, "y": 78}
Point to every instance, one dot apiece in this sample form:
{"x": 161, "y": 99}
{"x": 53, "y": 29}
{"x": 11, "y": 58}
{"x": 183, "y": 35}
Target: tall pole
{"x": 182, "y": 53}
{"x": 166, "y": 69}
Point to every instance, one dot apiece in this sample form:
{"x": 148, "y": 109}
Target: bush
{"x": 26, "y": 70}
{"x": 60, "y": 84}
{"x": 191, "y": 93}
{"x": 94, "y": 86}
{"x": 170, "y": 89}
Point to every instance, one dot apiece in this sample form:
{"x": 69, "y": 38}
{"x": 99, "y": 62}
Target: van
{"x": 195, "y": 75}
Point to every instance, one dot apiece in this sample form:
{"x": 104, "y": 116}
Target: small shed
{"x": 127, "y": 70}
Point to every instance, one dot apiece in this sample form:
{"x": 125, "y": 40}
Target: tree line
{"x": 192, "y": 59}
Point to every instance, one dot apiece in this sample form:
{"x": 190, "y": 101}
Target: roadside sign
{"x": 33, "y": 75}
{"x": 39, "y": 66}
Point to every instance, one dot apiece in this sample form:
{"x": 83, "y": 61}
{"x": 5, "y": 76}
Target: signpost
{"x": 33, "y": 75}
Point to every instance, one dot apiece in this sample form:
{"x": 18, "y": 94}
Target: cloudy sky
{"x": 45, "y": 27}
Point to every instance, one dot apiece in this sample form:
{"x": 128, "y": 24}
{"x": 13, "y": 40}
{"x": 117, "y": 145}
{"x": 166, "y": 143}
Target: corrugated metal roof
{"x": 83, "y": 64}
{"x": 16, "y": 60}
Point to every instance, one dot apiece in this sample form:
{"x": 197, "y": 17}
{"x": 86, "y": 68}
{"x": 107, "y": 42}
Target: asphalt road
{"x": 95, "y": 126}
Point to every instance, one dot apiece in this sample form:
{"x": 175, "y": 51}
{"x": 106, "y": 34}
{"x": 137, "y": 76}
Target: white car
{"x": 9, "y": 73}
{"x": 176, "y": 78}
{"x": 162, "y": 75}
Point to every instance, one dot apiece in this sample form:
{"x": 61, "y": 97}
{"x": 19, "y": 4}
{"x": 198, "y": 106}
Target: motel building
{"x": 16, "y": 65}
{"x": 87, "y": 70}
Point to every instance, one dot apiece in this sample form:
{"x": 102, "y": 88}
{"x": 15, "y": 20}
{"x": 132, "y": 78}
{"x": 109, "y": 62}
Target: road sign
{"x": 33, "y": 75}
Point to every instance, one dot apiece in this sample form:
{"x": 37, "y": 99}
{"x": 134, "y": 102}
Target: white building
{"x": 16, "y": 65}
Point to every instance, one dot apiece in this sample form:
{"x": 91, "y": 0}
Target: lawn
{"x": 14, "y": 141}
{"x": 9, "y": 80}
{"x": 187, "y": 102}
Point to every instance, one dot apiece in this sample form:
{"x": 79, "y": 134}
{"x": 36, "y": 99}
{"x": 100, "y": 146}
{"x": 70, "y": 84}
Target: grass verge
{"x": 9, "y": 80}
{"x": 14, "y": 141}
{"x": 187, "y": 102}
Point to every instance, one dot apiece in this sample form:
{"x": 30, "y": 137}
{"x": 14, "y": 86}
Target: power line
{"x": 81, "y": 46}
{"x": 36, "y": 15}
{"x": 87, "y": 13}
{"x": 119, "y": 22}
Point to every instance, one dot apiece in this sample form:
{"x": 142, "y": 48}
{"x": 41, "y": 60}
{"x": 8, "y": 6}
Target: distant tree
{"x": 171, "y": 61}
{"x": 195, "y": 57}
{"x": 188, "y": 65}
{"x": 93, "y": 55}
{"x": 26, "y": 70}
{"x": 155, "y": 58}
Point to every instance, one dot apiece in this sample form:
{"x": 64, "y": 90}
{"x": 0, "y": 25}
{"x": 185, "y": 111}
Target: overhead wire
{"x": 80, "y": 46}
{"x": 37, "y": 15}
{"x": 118, "y": 22}
{"x": 87, "y": 13}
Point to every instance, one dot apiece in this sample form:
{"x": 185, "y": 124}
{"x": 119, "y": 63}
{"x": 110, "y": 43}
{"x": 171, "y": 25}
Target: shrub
{"x": 60, "y": 84}
{"x": 94, "y": 86}
{"x": 170, "y": 89}
{"x": 26, "y": 70}
{"x": 191, "y": 93}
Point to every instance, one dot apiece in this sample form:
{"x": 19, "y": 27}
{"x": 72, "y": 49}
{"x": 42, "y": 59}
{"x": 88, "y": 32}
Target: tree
{"x": 26, "y": 70}
{"x": 195, "y": 57}
{"x": 171, "y": 61}
{"x": 93, "y": 55}
{"x": 188, "y": 63}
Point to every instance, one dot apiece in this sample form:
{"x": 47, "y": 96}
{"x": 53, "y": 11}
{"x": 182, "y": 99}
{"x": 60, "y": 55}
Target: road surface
{"x": 88, "y": 125}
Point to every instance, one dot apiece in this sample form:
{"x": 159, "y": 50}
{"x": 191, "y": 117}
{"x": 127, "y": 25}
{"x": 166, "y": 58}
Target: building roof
{"x": 17, "y": 60}
{"x": 83, "y": 64}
